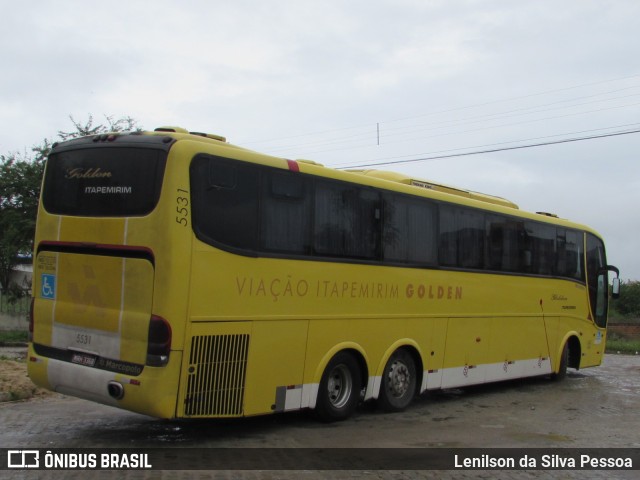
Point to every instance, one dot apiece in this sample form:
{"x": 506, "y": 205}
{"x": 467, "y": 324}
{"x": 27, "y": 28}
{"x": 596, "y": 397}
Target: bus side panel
{"x": 466, "y": 352}
{"x": 276, "y": 360}
{"x": 433, "y": 353}
{"x": 518, "y": 348}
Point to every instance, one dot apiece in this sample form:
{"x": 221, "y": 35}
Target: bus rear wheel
{"x": 399, "y": 382}
{"x": 339, "y": 389}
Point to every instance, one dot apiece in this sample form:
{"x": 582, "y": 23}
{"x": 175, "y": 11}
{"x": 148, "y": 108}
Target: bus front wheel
{"x": 399, "y": 382}
{"x": 564, "y": 363}
{"x": 339, "y": 389}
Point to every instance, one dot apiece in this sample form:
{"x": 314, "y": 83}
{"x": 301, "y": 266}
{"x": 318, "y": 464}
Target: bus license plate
{"x": 86, "y": 360}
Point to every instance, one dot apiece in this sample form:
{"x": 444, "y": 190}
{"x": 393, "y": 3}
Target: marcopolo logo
{"x": 23, "y": 459}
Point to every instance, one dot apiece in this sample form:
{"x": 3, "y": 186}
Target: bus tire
{"x": 339, "y": 389}
{"x": 564, "y": 363}
{"x": 399, "y": 381}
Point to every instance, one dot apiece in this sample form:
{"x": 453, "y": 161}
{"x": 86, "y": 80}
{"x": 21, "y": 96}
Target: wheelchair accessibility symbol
{"x": 48, "y": 287}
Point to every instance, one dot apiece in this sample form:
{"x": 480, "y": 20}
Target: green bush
{"x": 621, "y": 345}
{"x": 628, "y": 304}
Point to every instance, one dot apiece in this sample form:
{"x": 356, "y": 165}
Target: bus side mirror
{"x": 615, "y": 285}
{"x": 615, "y": 288}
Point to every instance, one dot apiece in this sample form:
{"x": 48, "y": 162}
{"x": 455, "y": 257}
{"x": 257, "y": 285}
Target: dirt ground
{"x": 14, "y": 382}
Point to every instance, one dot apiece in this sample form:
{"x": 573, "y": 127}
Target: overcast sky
{"x": 359, "y": 82}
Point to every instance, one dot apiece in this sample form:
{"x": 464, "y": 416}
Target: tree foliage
{"x": 122, "y": 124}
{"x": 20, "y": 179}
{"x": 629, "y": 301}
{"x": 19, "y": 194}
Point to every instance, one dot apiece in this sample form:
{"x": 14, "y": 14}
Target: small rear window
{"x": 104, "y": 182}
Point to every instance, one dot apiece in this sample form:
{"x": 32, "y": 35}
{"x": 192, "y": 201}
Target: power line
{"x": 626, "y": 126}
{"x": 340, "y": 143}
{"x": 438, "y": 112}
{"x": 494, "y": 150}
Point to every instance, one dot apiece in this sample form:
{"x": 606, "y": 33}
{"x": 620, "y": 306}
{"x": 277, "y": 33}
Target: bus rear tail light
{"x": 159, "y": 342}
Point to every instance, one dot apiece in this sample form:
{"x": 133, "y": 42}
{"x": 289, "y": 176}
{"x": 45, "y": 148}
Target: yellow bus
{"x": 179, "y": 276}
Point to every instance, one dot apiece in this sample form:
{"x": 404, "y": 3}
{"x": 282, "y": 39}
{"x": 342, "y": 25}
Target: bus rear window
{"x": 104, "y": 182}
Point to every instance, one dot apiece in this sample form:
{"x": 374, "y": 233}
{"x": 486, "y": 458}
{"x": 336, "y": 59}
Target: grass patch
{"x": 11, "y": 336}
{"x": 617, "y": 344}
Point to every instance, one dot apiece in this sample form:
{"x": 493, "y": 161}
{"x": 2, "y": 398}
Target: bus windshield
{"x": 104, "y": 182}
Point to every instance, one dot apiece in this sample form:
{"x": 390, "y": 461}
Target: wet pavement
{"x": 592, "y": 408}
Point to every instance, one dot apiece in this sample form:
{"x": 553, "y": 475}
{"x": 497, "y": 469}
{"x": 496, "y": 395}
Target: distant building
{"x": 22, "y": 275}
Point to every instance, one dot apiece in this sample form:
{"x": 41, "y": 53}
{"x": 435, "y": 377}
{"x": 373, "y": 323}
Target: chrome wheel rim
{"x": 339, "y": 386}
{"x": 399, "y": 379}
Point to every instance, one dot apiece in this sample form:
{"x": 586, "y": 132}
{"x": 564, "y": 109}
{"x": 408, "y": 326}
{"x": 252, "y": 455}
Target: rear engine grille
{"x": 217, "y": 370}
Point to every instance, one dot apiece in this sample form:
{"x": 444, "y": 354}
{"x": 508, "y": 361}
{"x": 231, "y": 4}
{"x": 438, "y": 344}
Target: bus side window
{"x": 225, "y": 201}
{"x": 540, "y": 245}
{"x": 504, "y": 236}
{"x": 409, "y": 230}
{"x": 222, "y": 175}
{"x": 347, "y": 221}
{"x": 462, "y": 237}
{"x": 285, "y": 213}
{"x": 569, "y": 254}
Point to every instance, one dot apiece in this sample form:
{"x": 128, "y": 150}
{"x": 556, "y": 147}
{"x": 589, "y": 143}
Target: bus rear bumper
{"x": 153, "y": 392}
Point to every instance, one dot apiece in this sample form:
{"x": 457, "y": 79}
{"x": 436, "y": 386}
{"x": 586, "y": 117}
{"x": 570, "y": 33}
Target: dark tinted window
{"x": 505, "y": 237}
{"x": 285, "y": 206}
{"x": 540, "y": 249}
{"x": 569, "y": 256}
{"x": 347, "y": 220}
{"x": 410, "y": 230}
{"x": 101, "y": 182}
{"x": 225, "y": 201}
{"x": 462, "y": 237}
